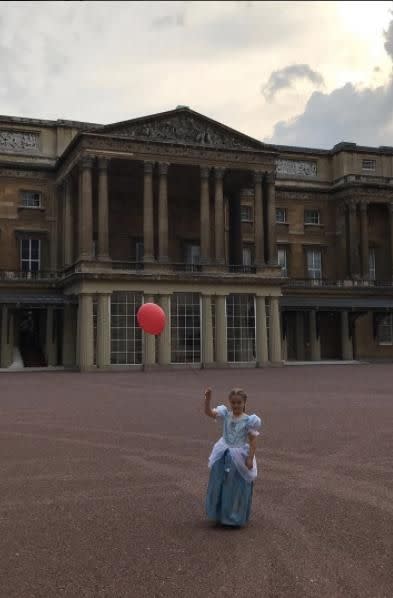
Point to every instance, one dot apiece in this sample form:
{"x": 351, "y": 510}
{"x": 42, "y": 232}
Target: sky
{"x": 293, "y": 73}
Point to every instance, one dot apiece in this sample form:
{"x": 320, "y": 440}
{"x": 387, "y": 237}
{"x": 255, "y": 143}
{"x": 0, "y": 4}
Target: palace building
{"x": 259, "y": 254}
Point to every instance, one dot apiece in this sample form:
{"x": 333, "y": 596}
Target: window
{"x": 192, "y": 253}
{"x": 314, "y": 263}
{"x": 384, "y": 330}
{"x": 240, "y": 328}
{"x": 281, "y": 215}
{"x": 282, "y": 260}
{"x": 139, "y": 251}
{"x": 246, "y": 214}
{"x": 371, "y": 264}
{"x": 31, "y": 199}
{"x": 311, "y": 217}
{"x": 248, "y": 256}
{"x": 369, "y": 165}
{"x": 126, "y": 335}
{"x": 185, "y": 328}
{"x": 30, "y": 252}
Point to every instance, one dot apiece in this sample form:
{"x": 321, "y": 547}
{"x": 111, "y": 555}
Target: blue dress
{"x": 230, "y": 488}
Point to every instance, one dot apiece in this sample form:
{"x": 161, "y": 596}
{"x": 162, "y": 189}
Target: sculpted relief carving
{"x": 304, "y": 168}
{"x": 18, "y": 141}
{"x": 186, "y": 129}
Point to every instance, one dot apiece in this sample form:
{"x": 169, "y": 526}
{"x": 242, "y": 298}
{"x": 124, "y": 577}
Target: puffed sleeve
{"x": 221, "y": 411}
{"x": 253, "y": 425}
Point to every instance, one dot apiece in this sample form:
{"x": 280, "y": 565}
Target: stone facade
{"x": 187, "y": 212}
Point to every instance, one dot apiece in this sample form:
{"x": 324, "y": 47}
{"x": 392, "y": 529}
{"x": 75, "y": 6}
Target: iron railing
{"x": 19, "y": 275}
{"x": 309, "y": 283}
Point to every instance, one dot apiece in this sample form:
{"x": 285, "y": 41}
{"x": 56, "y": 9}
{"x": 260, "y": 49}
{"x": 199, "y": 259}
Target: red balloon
{"x": 151, "y": 318}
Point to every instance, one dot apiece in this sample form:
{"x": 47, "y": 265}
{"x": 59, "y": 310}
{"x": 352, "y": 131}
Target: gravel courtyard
{"x": 103, "y": 477}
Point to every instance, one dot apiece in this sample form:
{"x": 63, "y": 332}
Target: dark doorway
{"x": 330, "y": 332}
{"x": 30, "y": 337}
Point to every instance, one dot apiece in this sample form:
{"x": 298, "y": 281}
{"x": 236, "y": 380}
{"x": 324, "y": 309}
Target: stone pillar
{"x": 219, "y": 216}
{"x": 4, "y": 349}
{"x": 271, "y": 218}
{"x": 275, "y": 332}
{"x": 149, "y": 342}
{"x": 148, "y": 215}
{"x": 207, "y": 331}
{"x": 205, "y": 233}
{"x": 50, "y": 344}
{"x": 69, "y": 333}
{"x": 221, "y": 331}
{"x": 164, "y": 340}
{"x": 346, "y": 340}
{"x": 103, "y": 330}
{"x": 68, "y": 231}
{"x": 261, "y": 341}
{"x": 342, "y": 266}
{"x": 85, "y": 332}
{"x": 258, "y": 220}
{"x": 364, "y": 239}
{"x": 86, "y": 209}
{"x": 315, "y": 340}
{"x": 390, "y": 207}
{"x": 353, "y": 239}
{"x": 103, "y": 210}
{"x": 300, "y": 345}
{"x": 163, "y": 213}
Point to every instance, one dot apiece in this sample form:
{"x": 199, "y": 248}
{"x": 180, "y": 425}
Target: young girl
{"x": 232, "y": 461}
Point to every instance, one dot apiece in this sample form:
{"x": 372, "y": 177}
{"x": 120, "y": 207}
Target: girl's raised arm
{"x": 208, "y": 410}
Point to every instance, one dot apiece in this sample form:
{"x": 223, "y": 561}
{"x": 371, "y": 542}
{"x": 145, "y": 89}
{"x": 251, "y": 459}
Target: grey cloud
{"x": 360, "y": 115}
{"x": 284, "y": 78}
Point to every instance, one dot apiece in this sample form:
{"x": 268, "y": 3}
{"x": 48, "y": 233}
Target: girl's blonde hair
{"x": 240, "y": 393}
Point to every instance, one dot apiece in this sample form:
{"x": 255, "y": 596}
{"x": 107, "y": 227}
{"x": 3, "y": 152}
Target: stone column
{"x": 315, "y": 340}
{"x": 86, "y": 209}
{"x": 219, "y": 216}
{"x": 68, "y": 231}
{"x": 164, "y": 340}
{"x": 4, "y": 349}
{"x": 103, "y": 210}
{"x": 346, "y": 340}
{"x": 300, "y": 345}
{"x": 342, "y": 266}
{"x": 85, "y": 332}
{"x": 69, "y": 333}
{"x": 163, "y": 213}
{"x": 103, "y": 330}
{"x": 275, "y": 332}
{"x": 258, "y": 220}
{"x": 261, "y": 342}
{"x": 271, "y": 218}
{"x": 221, "y": 331}
{"x": 353, "y": 239}
{"x": 207, "y": 331}
{"x": 364, "y": 239}
{"x": 50, "y": 344}
{"x": 205, "y": 233}
{"x": 148, "y": 215}
{"x": 390, "y": 207}
{"x": 149, "y": 342}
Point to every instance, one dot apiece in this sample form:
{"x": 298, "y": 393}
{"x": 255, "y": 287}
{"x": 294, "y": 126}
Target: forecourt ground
{"x": 103, "y": 477}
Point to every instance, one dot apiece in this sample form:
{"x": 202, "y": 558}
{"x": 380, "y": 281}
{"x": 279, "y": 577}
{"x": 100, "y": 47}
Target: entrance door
{"x": 30, "y": 335}
{"x": 330, "y": 331}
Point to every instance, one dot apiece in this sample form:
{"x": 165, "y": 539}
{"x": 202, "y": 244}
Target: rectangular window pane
{"x": 384, "y": 331}
{"x": 126, "y": 345}
{"x": 311, "y": 217}
{"x": 371, "y": 264}
{"x": 185, "y": 328}
{"x": 246, "y": 213}
{"x": 281, "y": 215}
{"x": 31, "y": 199}
{"x": 282, "y": 260}
{"x": 369, "y": 165}
{"x": 240, "y": 328}
{"x": 314, "y": 263}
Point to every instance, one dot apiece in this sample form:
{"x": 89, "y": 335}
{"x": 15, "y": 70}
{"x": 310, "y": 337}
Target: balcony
{"x": 312, "y": 283}
{"x": 22, "y": 276}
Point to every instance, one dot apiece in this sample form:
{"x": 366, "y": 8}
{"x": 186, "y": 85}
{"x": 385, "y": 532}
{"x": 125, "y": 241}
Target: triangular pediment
{"x": 183, "y": 126}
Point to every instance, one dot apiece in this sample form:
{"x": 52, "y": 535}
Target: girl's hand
{"x": 249, "y": 462}
{"x": 208, "y": 394}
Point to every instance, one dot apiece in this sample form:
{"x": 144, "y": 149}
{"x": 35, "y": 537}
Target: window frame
{"x": 249, "y": 220}
{"x": 372, "y": 264}
{"x": 284, "y": 268}
{"x": 389, "y": 326}
{"x": 370, "y": 161}
{"x": 24, "y": 195}
{"x": 314, "y": 250}
{"x": 309, "y": 210}
{"x": 285, "y": 211}
{"x": 30, "y": 260}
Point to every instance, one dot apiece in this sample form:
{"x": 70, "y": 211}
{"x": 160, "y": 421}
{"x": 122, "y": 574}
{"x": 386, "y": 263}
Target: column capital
{"x": 219, "y": 172}
{"x": 258, "y": 176}
{"x": 363, "y": 205}
{"x": 163, "y": 168}
{"x": 86, "y": 162}
{"x": 270, "y": 177}
{"x": 103, "y": 163}
{"x": 148, "y": 167}
{"x": 205, "y": 172}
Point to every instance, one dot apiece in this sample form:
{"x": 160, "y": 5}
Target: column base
{"x": 104, "y": 258}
